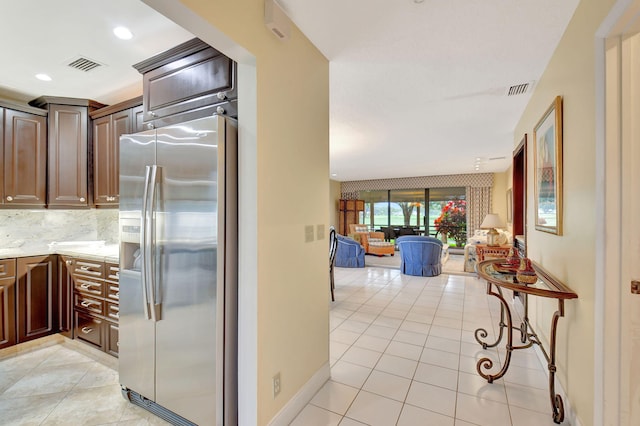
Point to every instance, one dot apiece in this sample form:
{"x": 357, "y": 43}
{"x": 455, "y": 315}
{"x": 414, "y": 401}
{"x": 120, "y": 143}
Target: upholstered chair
{"x": 420, "y": 255}
{"x": 350, "y": 253}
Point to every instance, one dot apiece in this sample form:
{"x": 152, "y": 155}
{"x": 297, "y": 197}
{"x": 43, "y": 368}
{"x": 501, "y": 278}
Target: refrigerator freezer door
{"x": 136, "y": 339}
{"x": 186, "y": 231}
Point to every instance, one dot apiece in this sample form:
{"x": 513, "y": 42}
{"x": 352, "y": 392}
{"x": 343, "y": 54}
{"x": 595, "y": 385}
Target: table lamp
{"x": 491, "y": 222}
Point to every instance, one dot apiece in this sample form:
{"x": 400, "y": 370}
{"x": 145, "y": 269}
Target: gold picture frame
{"x": 547, "y": 169}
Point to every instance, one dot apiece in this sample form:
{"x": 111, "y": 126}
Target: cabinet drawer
{"x": 87, "y": 303}
{"x": 113, "y": 272}
{"x": 86, "y": 268}
{"x": 113, "y": 292}
{"x": 7, "y": 268}
{"x": 89, "y": 286}
{"x": 113, "y": 311}
{"x": 89, "y": 329}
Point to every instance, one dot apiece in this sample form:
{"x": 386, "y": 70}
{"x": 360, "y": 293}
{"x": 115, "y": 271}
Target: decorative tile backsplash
{"x": 24, "y": 228}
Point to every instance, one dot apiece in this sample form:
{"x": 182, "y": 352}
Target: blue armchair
{"x": 420, "y": 255}
{"x": 350, "y": 253}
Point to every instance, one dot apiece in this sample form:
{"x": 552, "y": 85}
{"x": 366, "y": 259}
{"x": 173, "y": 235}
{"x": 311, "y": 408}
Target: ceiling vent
{"x": 84, "y": 64}
{"x": 518, "y": 89}
{"x": 497, "y": 158}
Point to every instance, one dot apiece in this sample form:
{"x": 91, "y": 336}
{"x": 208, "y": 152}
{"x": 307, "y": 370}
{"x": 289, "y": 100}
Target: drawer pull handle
{"x": 87, "y": 330}
{"x": 88, "y": 303}
{"x": 85, "y": 286}
{"x": 117, "y": 294}
{"x": 84, "y": 268}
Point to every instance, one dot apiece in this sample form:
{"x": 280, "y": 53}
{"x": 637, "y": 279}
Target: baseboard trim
{"x": 296, "y": 404}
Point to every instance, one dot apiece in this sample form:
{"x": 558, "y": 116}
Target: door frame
{"x": 609, "y": 230}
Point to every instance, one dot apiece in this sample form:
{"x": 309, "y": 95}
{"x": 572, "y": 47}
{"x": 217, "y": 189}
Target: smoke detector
{"x": 276, "y": 20}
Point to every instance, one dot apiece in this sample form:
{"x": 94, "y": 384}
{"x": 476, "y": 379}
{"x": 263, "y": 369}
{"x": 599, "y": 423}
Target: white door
{"x": 621, "y": 363}
{"x": 630, "y": 271}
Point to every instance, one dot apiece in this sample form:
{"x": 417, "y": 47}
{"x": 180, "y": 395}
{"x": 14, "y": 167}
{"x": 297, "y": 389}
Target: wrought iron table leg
{"x": 556, "y": 400}
{"x": 487, "y": 363}
{"x": 481, "y": 333}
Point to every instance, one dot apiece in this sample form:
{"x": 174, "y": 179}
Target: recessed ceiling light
{"x": 334, "y": 174}
{"x": 418, "y": 1}
{"x": 43, "y": 77}
{"x": 123, "y": 33}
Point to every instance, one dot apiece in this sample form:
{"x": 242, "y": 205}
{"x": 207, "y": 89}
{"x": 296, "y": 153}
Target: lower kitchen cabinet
{"x": 65, "y": 298}
{"x": 95, "y": 303}
{"x": 7, "y": 303}
{"x": 112, "y": 338}
{"x": 36, "y": 297}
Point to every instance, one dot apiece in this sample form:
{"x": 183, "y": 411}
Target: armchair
{"x": 349, "y": 254}
{"x": 420, "y": 256}
{"x": 373, "y": 242}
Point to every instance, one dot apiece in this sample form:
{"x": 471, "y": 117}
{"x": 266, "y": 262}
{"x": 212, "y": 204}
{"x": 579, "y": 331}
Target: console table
{"x": 546, "y": 286}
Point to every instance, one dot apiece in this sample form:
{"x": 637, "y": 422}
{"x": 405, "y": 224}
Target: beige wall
{"x": 499, "y": 196}
{"x": 570, "y": 257}
{"x": 284, "y": 168}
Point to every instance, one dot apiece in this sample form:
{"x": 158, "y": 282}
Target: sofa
{"x": 420, "y": 255}
{"x": 480, "y": 237}
{"x": 373, "y": 242}
{"x": 350, "y": 254}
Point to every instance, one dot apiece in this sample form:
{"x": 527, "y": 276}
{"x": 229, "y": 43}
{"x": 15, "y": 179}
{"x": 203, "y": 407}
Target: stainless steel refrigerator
{"x": 178, "y": 271}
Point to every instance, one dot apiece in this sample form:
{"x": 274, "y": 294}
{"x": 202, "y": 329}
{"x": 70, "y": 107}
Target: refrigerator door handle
{"x": 144, "y": 232}
{"x": 152, "y": 265}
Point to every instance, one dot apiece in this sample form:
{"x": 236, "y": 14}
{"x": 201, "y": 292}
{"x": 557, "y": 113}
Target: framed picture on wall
{"x": 547, "y": 169}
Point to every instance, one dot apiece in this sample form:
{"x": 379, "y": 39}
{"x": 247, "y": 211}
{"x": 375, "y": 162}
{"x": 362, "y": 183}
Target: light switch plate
{"x": 308, "y": 233}
{"x": 319, "y": 232}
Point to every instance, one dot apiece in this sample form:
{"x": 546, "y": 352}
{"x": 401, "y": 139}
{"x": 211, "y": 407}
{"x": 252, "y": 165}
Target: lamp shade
{"x": 492, "y": 220}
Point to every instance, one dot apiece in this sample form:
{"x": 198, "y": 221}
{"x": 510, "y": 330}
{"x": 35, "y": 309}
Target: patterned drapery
{"x": 478, "y": 206}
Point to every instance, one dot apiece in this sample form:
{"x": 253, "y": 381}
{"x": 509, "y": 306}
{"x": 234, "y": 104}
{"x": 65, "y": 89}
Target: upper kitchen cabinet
{"x": 190, "y": 81}
{"x": 69, "y": 150}
{"x": 109, "y": 124}
{"x": 23, "y": 156}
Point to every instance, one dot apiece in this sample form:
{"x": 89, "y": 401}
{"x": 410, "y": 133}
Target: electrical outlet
{"x": 276, "y": 385}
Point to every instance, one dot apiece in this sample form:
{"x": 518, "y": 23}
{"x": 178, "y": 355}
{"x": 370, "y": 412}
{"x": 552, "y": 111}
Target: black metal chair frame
{"x": 333, "y": 248}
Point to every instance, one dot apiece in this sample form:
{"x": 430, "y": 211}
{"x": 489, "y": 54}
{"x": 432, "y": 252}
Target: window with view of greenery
{"x": 406, "y": 208}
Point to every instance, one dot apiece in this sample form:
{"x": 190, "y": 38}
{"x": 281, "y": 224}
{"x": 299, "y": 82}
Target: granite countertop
{"x": 93, "y": 250}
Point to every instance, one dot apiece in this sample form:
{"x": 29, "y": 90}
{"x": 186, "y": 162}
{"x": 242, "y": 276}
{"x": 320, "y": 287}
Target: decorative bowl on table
{"x": 505, "y": 268}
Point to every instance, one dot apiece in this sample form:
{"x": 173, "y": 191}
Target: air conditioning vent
{"x": 497, "y": 158}
{"x": 518, "y": 89}
{"x": 84, "y": 64}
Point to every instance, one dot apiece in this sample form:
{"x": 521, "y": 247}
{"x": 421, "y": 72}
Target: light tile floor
{"x": 403, "y": 353}
{"x": 57, "y": 385}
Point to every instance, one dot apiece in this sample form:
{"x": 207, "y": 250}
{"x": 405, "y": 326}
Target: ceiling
{"x": 416, "y": 89}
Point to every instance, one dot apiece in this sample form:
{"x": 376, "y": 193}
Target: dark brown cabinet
{"x": 109, "y": 124}
{"x": 7, "y": 302}
{"x": 36, "y": 297}
{"x": 187, "y": 82}
{"x": 65, "y": 298}
{"x": 23, "y": 157}
{"x": 95, "y": 303}
{"x": 69, "y": 150}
